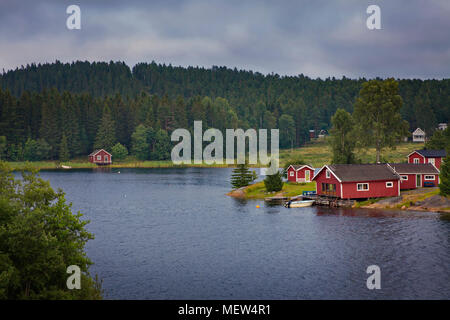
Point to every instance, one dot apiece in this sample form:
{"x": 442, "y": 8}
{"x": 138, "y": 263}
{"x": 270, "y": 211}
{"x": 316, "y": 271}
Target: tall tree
{"x": 64, "y": 154}
{"x": 341, "y": 139}
{"x": 106, "y": 135}
{"x": 242, "y": 176}
{"x": 377, "y": 115}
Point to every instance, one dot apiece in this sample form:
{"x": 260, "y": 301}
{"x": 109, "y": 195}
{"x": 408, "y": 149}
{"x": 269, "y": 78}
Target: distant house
{"x": 418, "y": 135}
{"x": 416, "y": 175}
{"x": 100, "y": 157}
{"x": 300, "y": 173}
{"x": 353, "y": 181}
{"x": 322, "y": 133}
{"x": 442, "y": 126}
{"x": 427, "y": 156}
{"x": 312, "y": 134}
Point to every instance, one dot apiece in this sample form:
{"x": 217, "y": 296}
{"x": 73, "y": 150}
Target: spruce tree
{"x": 106, "y": 134}
{"x": 64, "y": 154}
{"x": 274, "y": 182}
{"x": 242, "y": 176}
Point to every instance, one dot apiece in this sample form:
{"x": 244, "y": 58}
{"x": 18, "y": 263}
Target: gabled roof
{"x": 431, "y": 153}
{"x": 414, "y": 168}
{"x": 300, "y": 166}
{"x": 97, "y": 151}
{"x": 418, "y": 131}
{"x": 361, "y": 172}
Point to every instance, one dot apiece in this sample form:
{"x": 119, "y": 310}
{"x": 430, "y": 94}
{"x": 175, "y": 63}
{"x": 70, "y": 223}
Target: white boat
{"x": 66, "y": 167}
{"x": 299, "y": 204}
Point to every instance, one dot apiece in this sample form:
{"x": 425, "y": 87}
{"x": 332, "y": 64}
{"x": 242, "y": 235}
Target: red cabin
{"x": 356, "y": 181}
{"x": 300, "y": 173}
{"x": 416, "y": 175}
{"x": 427, "y": 156}
{"x": 100, "y": 157}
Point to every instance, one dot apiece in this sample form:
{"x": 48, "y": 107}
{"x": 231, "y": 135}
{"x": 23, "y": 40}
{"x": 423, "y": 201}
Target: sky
{"x": 320, "y": 38}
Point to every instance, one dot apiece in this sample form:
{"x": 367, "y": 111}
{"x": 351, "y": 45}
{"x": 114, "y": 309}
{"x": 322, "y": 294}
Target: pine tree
{"x": 274, "y": 182}
{"x": 64, "y": 154}
{"x": 242, "y": 176}
{"x": 106, "y": 135}
{"x": 444, "y": 186}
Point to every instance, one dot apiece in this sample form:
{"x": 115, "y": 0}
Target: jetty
{"x": 328, "y": 201}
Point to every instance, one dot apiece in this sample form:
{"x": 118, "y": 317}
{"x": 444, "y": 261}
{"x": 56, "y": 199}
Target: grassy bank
{"x": 258, "y": 190}
{"x": 318, "y": 153}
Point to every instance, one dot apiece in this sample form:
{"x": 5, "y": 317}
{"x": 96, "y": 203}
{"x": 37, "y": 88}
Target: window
{"x": 416, "y": 160}
{"x": 432, "y": 177}
{"x": 389, "y": 184}
{"x": 99, "y": 158}
{"x": 327, "y": 174}
{"x": 362, "y": 187}
{"x": 106, "y": 158}
{"x": 404, "y": 177}
{"x": 291, "y": 173}
{"x": 431, "y": 160}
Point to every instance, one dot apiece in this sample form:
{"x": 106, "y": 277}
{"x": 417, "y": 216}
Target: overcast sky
{"x": 317, "y": 38}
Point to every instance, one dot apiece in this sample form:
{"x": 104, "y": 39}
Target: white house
{"x": 442, "y": 126}
{"x": 418, "y": 135}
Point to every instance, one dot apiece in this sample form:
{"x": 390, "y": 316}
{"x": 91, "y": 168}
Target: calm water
{"x": 173, "y": 234}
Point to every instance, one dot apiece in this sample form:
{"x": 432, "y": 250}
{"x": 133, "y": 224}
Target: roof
{"x": 361, "y": 172}
{"x": 97, "y": 151}
{"x": 414, "y": 168}
{"x": 299, "y": 166}
{"x": 431, "y": 153}
{"x": 418, "y": 131}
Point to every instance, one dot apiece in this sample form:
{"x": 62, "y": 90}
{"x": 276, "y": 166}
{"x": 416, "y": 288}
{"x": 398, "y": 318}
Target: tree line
{"x": 59, "y": 106}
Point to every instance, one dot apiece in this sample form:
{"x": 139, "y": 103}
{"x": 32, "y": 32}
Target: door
{"x": 307, "y": 175}
{"x": 418, "y": 180}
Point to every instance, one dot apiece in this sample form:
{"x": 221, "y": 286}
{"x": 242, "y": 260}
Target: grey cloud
{"x": 317, "y": 38}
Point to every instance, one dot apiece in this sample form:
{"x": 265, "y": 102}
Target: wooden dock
{"x": 329, "y": 201}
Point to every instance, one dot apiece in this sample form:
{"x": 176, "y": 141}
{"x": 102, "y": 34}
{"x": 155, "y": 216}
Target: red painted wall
{"x": 377, "y": 189}
{"x": 300, "y": 174}
{"x": 415, "y": 155}
{"x": 411, "y": 182}
{"x": 102, "y": 153}
{"x": 291, "y": 178}
{"x": 322, "y": 178}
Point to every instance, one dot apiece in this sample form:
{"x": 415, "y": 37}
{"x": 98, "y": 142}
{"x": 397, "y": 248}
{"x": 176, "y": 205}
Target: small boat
{"x": 66, "y": 167}
{"x": 299, "y": 204}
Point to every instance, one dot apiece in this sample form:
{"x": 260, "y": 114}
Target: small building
{"x": 100, "y": 157}
{"x": 442, "y": 126}
{"x": 357, "y": 181}
{"x": 300, "y": 173}
{"x": 434, "y": 157}
{"x": 322, "y": 133}
{"x": 418, "y": 135}
{"x": 312, "y": 134}
{"x": 416, "y": 175}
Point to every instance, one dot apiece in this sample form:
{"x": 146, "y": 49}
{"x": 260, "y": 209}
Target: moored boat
{"x": 299, "y": 204}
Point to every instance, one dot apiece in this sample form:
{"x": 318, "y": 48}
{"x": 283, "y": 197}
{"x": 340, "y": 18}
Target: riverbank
{"x": 422, "y": 199}
{"x": 258, "y": 191}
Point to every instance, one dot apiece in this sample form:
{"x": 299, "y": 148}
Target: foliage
{"x": 64, "y": 149}
{"x": 119, "y": 152}
{"x": 242, "y": 176}
{"x": 139, "y": 143}
{"x": 2, "y": 146}
{"x": 377, "y": 115}
{"x": 39, "y": 239}
{"x": 36, "y": 150}
{"x": 161, "y": 146}
{"x": 439, "y": 140}
{"x": 106, "y": 135}
{"x": 444, "y": 186}
{"x": 274, "y": 182}
{"x": 342, "y": 139}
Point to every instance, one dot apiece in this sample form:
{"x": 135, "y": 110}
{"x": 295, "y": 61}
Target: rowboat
{"x": 299, "y": 204}
{"x": 66, "y": 167}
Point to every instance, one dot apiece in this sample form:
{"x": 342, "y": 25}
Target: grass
{"x": 318, "y": 153}
{"x": 411, "y": 199}
{"x": 258, "y": 190}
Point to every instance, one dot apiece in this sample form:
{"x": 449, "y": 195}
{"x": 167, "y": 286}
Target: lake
{"x": 174, "y": 234}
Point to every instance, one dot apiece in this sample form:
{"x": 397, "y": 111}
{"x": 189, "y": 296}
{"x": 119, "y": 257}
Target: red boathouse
{"x": 357, "y": 181}
{"x": 434, "y": 157}
{"x": 416, "y": 175}
{"x": 100, "y": 157}
{"x": 300, "y": 173}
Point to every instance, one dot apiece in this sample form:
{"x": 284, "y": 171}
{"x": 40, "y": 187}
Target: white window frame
{"x": 404, "y": 178}
{"x": 105, "y": 157}
{"x": 416, "y": 161}
{"x": 362, "y": 184}
{"x": 389, "y": 184}
{"x": 327, "y": 174}
{"x": 432, "y": 161}
{"x": 99, "y": 158}
{"x": 291, "y": 173}
{"x": 430, "y": 175}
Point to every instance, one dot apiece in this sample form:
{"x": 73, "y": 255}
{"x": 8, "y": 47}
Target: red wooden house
{"x": 416, "y": 175}
{"x": 100, "y": 157}
{"x": 434, "y": 157}
{"x": 353, "y": 181}
{"x": 300, "y": 173}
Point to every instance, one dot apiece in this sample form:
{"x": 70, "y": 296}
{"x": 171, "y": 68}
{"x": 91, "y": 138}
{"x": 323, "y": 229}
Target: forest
{"x": 65, "y": 110}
